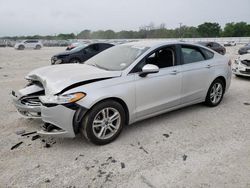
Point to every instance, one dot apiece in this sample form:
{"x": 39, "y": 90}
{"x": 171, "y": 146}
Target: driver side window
{"x": 163, "y": 58}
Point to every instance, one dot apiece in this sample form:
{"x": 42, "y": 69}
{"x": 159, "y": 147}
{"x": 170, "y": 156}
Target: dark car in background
{"x": 245, "y": 49}
{"x": 79, "y": 54}
{"x": 214, "y": 46}
{"x": 75, "y": 45}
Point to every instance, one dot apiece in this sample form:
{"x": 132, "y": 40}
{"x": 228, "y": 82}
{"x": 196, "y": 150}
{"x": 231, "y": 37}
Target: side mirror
{"x": 149, "y": 69}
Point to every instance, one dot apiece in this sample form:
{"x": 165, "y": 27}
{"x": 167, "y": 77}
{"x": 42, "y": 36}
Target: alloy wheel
{"x": 216, "y": 93}
{"x": 106, "y": 123}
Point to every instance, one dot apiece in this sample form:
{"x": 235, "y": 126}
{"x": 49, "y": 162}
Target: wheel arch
{"x": 120, "y": 101}
{"x": 222, "y": 78}
{"x": 77, "y": 58}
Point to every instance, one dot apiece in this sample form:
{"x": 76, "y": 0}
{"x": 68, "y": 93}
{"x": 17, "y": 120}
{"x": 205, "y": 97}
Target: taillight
{"x": 229, "y": 63}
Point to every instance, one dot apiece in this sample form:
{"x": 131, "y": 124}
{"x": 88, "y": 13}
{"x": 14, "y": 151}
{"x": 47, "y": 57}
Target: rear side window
{"x": 216, "y": 45}
{"x": 92, "y": 48}
{"x": 104, "y": 46}
{"x": 207, "y": 53}
{"x": 191, "y": 55}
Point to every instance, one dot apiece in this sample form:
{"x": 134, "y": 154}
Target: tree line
{"x": 207, "y": 29}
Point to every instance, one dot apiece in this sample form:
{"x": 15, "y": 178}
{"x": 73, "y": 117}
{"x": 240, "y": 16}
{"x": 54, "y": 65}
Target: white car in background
{"x": 34, "y": 44}
{"x": 230, "y": 43}
{"x": 122, "y": 85}
{"x": 241, "y": 66}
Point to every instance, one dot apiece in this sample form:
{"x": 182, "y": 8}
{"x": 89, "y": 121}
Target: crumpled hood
{"x": 56, "y": 78}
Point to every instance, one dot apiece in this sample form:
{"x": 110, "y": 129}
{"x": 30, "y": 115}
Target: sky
{"x": 51, "y": 17}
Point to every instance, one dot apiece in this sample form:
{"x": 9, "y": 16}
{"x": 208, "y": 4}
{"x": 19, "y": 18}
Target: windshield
{"x": 117, "y": 58}
{"x": 78, "y": 48}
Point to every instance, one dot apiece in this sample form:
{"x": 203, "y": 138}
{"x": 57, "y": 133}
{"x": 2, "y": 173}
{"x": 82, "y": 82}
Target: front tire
{"x": 215, "y": 93}
{"x": 38, "y": 47}
{"x": 104, "y": 122}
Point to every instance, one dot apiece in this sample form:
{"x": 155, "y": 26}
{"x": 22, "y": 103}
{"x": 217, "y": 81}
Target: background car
{"x": 122, "y": 85}
{"x": 79, "y": 54}
{"x": 35, "y": 44}
{"x": 245, "y": 49}
{"x": 214, "y": 46}
{"x": 230, "y": 43}
{"x": 75, "y": 44}
{"x": 241, "y": 66}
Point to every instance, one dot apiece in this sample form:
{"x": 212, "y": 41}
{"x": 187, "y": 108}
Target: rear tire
{"x": 215, "y": 93}
{"x": 104, "y": 122}
{"x": 75, "y": 60}
{"x": 21, "y": 47}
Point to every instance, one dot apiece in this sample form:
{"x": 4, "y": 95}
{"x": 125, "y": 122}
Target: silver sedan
{"x": 123, "y": 85}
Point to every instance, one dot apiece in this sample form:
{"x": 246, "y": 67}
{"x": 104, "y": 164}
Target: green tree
{"x": 85, "y": 34}
{"x": 62, "y": 36}
{"x": 209, "y": 29}
{"x": 240, "y": 29}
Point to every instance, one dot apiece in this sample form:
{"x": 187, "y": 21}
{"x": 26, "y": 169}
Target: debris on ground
{"x": 246, "y": 103}
{"x": 184, "y": 157}
{"x": 166, "y": 135}
{"x": 47, "y": 145}
{"x": 19, "y": 132}
{"x": 81, "y": 155}
{"x": 29, "y": 133}
{"x": 122, "y": 165}
{"x": 5, "y": 75}
{"x": 1, "y": 67}
{"x": 103, "y": 164}
{"x": 35, "y": 137}
{"x": 108, "y": 176}
{"x": 101, "y": 172}
{"x": 142, "y": 148}
{"x": 109, "y": 158}
{"x": 16, "y": 145}
{"x": 47, "y": 181}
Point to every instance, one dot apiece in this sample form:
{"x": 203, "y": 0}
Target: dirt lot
{"x": 192, "y": 147}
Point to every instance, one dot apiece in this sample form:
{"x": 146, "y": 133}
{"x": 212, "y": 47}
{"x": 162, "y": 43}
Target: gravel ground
{"x": 196, "y": 146}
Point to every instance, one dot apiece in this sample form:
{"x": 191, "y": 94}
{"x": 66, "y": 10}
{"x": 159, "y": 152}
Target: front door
{"x": 160, "y": 91}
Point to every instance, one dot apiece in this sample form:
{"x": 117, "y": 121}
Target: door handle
{"x": 208, "y": 66}
{"x": 174, "y": 72}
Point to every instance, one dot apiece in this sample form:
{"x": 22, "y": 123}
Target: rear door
{"x": 195, "y": 71}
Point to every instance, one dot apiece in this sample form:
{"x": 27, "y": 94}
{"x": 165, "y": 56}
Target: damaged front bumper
{"x": 27, "y": 101}
{"x": 242, "y": 71}
{"x": 61, "y": 120}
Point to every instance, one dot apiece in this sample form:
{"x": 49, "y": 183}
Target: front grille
{"x": 246, "y": 62}
{"x": 247, "y": 71}
{"x": 31, "y": 101}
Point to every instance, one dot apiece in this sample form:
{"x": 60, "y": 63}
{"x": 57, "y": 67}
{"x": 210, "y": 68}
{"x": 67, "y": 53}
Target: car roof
{"x": 155, "y": 43}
